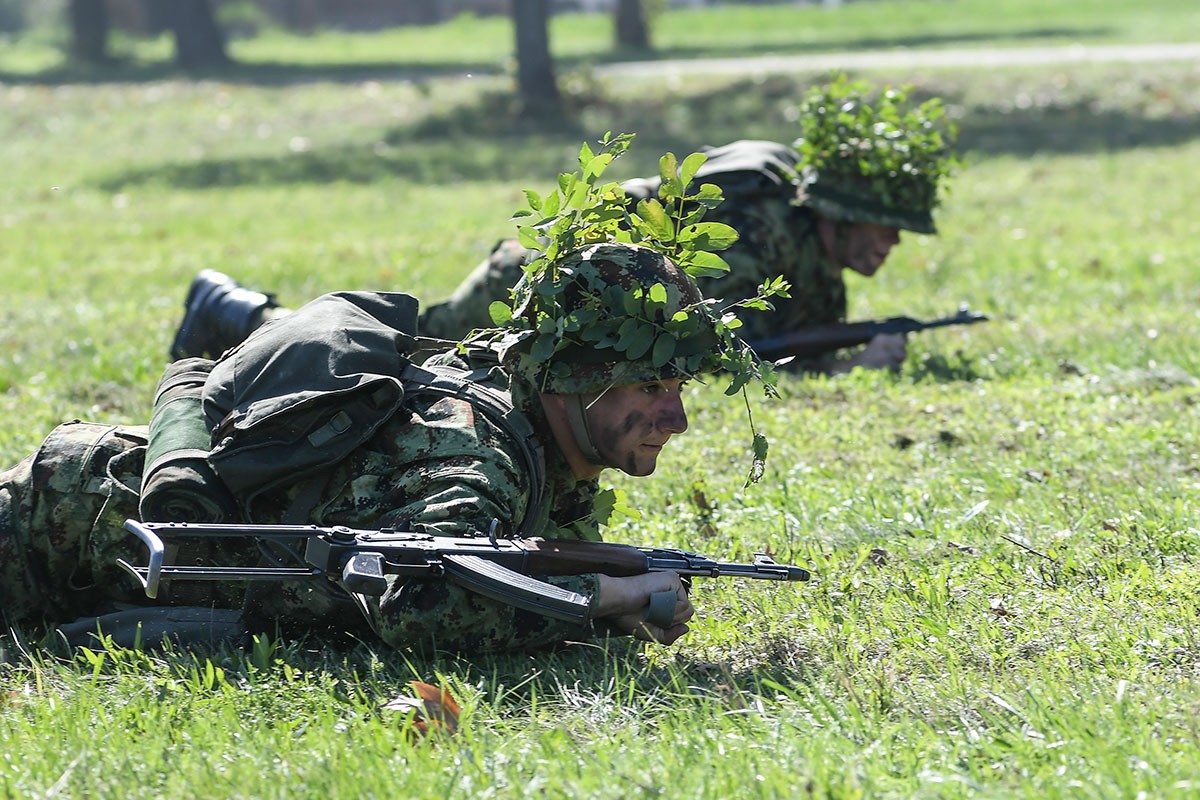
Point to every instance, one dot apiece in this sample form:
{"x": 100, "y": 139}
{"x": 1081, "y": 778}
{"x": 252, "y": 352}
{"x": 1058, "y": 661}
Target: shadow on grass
{"x": 261, "y": 73}
{"x": 940, "y": 368}
{"x": 491, "y": 139}
{"x": 577, "y": 673}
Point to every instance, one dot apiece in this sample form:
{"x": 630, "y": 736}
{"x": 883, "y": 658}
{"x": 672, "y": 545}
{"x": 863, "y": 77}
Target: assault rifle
{"x": 812, "y": 342}
{"x": 360, "y": 560}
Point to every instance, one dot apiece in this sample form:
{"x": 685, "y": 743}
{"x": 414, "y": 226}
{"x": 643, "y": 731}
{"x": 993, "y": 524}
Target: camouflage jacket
{"x": 778, "y": 238}
{"x": 436, "y": 466}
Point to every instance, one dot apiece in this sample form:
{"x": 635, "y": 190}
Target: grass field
{"x": 1004, "y": 534}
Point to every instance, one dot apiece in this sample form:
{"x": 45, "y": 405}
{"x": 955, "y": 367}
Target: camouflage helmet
{"x": 872, "y": 161}
{"x": 610, "y": 314}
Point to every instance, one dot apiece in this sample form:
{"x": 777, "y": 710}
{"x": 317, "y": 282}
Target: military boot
{"x": 218, "y": 314}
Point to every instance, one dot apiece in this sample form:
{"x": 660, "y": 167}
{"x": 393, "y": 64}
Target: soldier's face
{"x": 631, "y": 424}
{"x": 863, "y": 247}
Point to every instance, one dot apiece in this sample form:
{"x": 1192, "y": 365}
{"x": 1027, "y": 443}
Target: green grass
{"x": 1004, "y": 534}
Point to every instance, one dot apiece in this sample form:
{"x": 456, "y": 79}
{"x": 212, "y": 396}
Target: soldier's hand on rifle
{"x": 885, "y": 351}
{"x": 623, "y": 603}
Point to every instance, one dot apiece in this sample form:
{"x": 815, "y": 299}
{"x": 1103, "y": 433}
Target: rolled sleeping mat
{"x": 178, "y": 484}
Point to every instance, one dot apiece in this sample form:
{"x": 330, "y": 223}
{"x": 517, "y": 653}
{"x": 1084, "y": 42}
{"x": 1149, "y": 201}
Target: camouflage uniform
{"x": 433, "y": 464}
{"x": 61, "y": 516}
{"x": 445, "y": 469}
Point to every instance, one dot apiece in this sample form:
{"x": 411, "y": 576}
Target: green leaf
{"x": 626, "y": 333}
{"x": 700, "y": 264}
{"x": 567, "y": 182}
{"x": 641, "y": 342}
{"x": 709, "y": 235}
{"x": 543, "y": 348}
{"x": 577, "y": 197}
{"x": 668, "y": 173}
{"x": 657, "y": 220}
{"x": 611, "y": 505}
{"x": 534, "y": 199}
{"x": 691, "y": 165}
{"x": 597, "y": 166}
{"x": 500, "y": 313}
{"x": 760, "y": 446}
{"x": 631, "y": 300}
{"x": 709, "y": 194}
{"x": 664, "y": 349}
{"x": 528, "y": 237}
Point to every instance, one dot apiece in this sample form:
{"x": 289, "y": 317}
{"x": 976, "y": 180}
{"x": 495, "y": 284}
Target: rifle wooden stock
{"x": 812, "y": 342}
{"x": 567, "y": 557}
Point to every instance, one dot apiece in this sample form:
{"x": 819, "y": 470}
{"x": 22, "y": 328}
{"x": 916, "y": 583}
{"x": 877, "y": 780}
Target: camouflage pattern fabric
{"x": 437, "y": 466}
{"x": 776, "y": 237}
{"x": 444, "y": 470}
{"x": 62, "y": 514}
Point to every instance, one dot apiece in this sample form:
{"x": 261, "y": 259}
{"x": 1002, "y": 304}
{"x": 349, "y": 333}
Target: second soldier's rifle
{"x": 502, "y": 569}
{"x": 812, "y": 342}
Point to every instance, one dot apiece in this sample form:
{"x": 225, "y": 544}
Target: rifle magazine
{"x": 503, "y": 585}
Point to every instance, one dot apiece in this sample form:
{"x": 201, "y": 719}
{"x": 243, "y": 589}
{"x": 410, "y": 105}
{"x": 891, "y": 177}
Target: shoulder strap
{"x": 496, "y": 406}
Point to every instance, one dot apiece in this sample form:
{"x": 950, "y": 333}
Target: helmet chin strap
{"x": 577, "y": 418}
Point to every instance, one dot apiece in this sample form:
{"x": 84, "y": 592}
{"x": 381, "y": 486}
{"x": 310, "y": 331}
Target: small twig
{"x": 1024, "y": 546}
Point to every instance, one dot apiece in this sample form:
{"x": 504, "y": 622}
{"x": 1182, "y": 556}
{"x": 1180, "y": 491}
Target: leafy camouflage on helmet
{"x": 631, "y": 316}
{"x": 611, "y": 298}
{"x": 873, "y": 160}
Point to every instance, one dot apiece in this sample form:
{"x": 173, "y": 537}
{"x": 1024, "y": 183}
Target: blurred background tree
{"x": 200, "y": 28}
{"x": 630, "y": 29}
{"x": 89, "y": 30}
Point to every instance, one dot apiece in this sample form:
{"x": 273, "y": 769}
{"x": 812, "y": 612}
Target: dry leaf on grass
{"x": 431, "y": 708}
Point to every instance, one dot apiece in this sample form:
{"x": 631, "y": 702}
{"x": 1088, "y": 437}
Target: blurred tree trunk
{"x": 89, "y": 31}
{"x": 536, "y": 84}
{"x": 198, "y": 41}
{"x": 630, "y": 28}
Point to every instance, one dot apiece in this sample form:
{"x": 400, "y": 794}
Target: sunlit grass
{"x": 1003, "y": 534}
